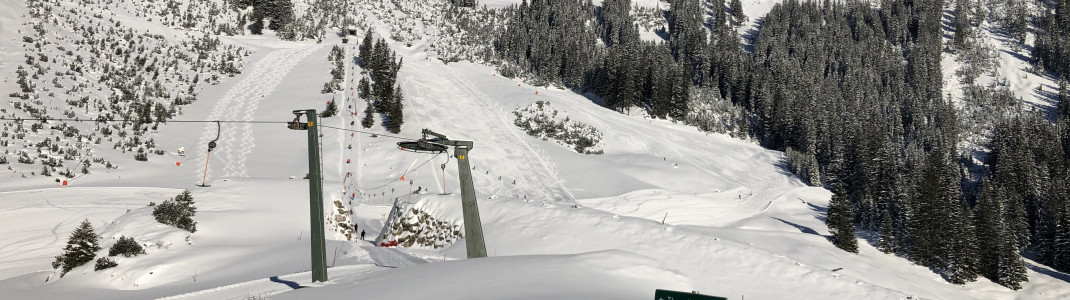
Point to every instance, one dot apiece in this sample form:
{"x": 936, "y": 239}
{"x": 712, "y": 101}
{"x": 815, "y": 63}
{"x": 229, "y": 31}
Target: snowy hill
{"x": 664, "y": 206}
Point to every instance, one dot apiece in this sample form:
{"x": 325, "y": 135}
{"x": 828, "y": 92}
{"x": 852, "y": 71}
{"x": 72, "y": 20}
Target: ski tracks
{"x": 508, "y": 126}
{"x": 236, "y": 140}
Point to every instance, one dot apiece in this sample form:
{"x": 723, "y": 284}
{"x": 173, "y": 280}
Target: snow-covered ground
{"x": 665, "y": 206}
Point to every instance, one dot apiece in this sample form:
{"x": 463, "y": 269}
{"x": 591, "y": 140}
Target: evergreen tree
{"x": 81, "y": 248}
{"x": 1012, "y": 271}
{"x": 933, "y": 227}
{"x": 364, "y": 87}
{"x": 885, "y": 241}
{"x": 281, "y": 13}
{"x": 330, "y": 111}
{"x": 839, "y": 222}
{"x": 680, "y": 95}
{"x": 178, "y": 213}
{"x": 1061, "y": 255}
{"x": 661, "y": 83}
{"x": 962, "y": 23}
{"x": 687, "y": 37}
{"x": 963, "y": 262}
{"x": 365, "y": 49}
{"x": 257, "y": 27}
{"x": 185, "y": 198}
{"x": 1064, "y": 101}
{"x": 368, "y": 120}
{"x": 737, "y": 12}
{"x": 1016, "y": 20}
{"x": 395, "y": 113}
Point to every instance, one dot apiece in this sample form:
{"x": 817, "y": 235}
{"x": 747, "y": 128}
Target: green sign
{"x": 660, "y": 294}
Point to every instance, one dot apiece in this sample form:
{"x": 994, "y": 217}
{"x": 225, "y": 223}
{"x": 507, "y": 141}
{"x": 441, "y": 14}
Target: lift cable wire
{"x": 234, "y": 121}
{"x": 134, "y": 120}
{"x": 370, "y": 133}
{"x": 406, "y": 174}
{"x": 199, "y": 121}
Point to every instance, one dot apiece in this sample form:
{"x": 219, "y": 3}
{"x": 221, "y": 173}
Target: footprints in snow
{"x": 236, "y": 140}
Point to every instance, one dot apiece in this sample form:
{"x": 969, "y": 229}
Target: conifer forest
{"x": 852, "y": 91}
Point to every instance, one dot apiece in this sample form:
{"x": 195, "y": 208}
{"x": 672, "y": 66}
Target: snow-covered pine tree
{"x": 839, "y": 222}
{"x": 365, "y": 49}
{"x": 81, "y": 248}
{"x": 962, "y": 267}
{"x": 185, "y": 198}
{"x": 1064, "y": 99}
{"x": 1011, "y": 272}
{"x": 885, "y": 241}
{"x": 962, "y": 23}
{"x": 1061, "y": 255}
{"x": 680, "y": 94}
{"x": 178, "y": 213}
{"x": 364, "y": 87}
{"x": 660, "y": 87}
{"x": 281, "y": 13}
{"x": 331, "y": 110}
{"x": 257, "y": 26}
{"x": 368, "y": 119}
{"x": 395, "y": 112}
{"x": 737, "y": 12}
{"x": 989, "y": 228}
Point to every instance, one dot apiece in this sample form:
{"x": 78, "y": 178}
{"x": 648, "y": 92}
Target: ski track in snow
{"x": 466, "y": 86}
{"x": 239, "y": 103}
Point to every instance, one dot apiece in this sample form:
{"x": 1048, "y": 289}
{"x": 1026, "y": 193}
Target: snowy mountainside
{"x": 90, "y": 62}
{"x": 665, "y": 206}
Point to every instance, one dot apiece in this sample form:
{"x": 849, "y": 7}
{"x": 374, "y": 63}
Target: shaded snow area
{"x": 664, "y": 206}
{"x": 610, "y": 274}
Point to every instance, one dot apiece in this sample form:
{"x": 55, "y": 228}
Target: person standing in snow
{"x": 362, "y": 235}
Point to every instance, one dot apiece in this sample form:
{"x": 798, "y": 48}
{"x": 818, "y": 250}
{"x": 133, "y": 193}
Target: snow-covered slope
{"x": 665, "y": 206}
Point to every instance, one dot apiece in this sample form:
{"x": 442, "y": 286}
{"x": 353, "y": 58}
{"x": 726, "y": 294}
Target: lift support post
{"x": 315, "y": 190}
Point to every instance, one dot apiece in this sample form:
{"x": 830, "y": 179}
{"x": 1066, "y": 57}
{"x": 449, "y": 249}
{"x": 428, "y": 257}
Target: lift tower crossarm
{"x": 473, "y": 228}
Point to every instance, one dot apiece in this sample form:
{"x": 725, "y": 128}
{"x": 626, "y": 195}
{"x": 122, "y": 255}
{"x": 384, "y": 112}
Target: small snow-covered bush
{"x": 104, "y": 263}
{"x": 542, "y": 121}
{"x": 141, "y": 155}
{"x": 178, "y": 213}
{"x": 126, "y": 247}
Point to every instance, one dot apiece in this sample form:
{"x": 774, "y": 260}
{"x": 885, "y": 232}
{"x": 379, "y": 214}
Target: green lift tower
{"x": 473, "y": 229}
{"x": 315, "y": 191}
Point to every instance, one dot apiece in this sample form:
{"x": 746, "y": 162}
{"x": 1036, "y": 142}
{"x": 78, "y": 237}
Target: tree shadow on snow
{"x": 1046, "y": 271}
{"x": 804, "y": 229}
{"x": 820, "y": 213}
{"x": 750, "y": 37}
{"x": 1049, "y": 95}
{"x": 1017, "y": 55}
{"x": 291, "y": 284}
{"x": 784, "y": 168}
{"x": 594, "y": 98}
{"x": 947, "y": 22}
